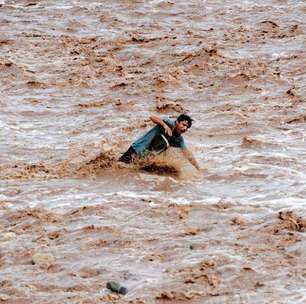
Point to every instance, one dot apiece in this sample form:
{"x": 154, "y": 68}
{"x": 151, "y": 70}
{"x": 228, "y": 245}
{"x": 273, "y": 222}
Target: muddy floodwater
{"x": 79, "y": 80}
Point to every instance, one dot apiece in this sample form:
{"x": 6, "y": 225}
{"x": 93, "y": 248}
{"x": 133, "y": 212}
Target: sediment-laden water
{"x": 79, "y": 80}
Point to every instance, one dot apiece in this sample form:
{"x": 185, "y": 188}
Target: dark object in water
{"x": 116, "y": 287}
{"x": 159, "y": 144}
{"x": 161, "y": 169}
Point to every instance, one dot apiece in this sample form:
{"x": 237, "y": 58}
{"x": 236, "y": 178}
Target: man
{"x": 167, "y": 132}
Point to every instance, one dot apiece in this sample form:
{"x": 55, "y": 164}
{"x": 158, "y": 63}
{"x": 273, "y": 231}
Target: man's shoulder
{"x": 169, "y": 121}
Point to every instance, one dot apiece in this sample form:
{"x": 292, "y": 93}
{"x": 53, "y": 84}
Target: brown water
{"x": 79, "y": 80}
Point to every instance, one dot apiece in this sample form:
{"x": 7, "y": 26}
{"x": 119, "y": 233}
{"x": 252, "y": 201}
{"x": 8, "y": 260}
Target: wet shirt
{"x": 155, "y": 139}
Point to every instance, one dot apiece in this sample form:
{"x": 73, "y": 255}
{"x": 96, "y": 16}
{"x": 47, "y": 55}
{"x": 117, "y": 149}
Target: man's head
{"x": 183, "y": 123}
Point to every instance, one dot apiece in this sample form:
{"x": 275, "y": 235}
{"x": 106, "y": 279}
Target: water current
{"x": 79, "y": 81}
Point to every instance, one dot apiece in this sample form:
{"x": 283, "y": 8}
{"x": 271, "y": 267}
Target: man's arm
{"x": 157, "y": 120}
{"x": 191, "y": 158}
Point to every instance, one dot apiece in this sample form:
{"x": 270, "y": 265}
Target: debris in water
{"x": 116, "y": 287}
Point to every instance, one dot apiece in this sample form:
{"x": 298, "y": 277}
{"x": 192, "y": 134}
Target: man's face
{"x": 181, "y": 126}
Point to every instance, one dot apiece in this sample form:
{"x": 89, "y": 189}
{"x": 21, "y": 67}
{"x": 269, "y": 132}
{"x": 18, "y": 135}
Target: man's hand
{"x": 160, "y": 122}
{"x": 168, "y": 131}
{"x": 191, "y": 159}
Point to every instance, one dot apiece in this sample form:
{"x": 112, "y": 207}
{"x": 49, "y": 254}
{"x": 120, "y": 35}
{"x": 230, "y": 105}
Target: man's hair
{"x": 183, "y": 117}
